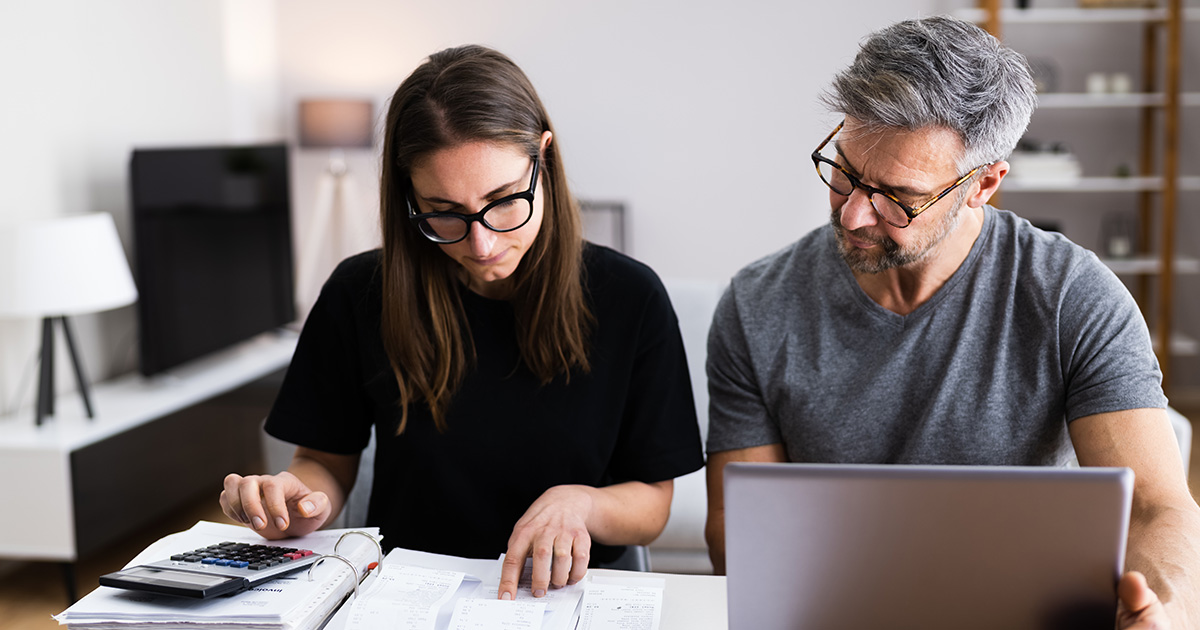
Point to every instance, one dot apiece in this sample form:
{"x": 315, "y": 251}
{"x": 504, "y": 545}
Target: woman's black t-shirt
{"x": 508, "y": 438}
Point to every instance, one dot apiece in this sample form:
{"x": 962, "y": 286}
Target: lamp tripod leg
{"x": 80, "y": 378}
{"x": 45, "y": 404}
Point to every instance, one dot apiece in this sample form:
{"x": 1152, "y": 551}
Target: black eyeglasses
{"x": 889, "y": 208}
{"x": 502, "y": 215}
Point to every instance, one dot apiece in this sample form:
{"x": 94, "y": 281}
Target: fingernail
{"x": 258, "y": 523}
{"x": 307, "y": 508}
{"x": 539, "y": 593}
{"x": 280, "y": 523}
{"x": 506, "y": 596}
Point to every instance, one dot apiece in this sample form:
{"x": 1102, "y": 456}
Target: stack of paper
{"x": 291, "y": 602}
{"x": 424, "y": 591}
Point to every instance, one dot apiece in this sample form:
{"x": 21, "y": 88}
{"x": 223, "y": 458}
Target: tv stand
{"x": 75, "y": 485}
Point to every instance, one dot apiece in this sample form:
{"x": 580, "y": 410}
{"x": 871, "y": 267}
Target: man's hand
{"x": 554, "y": 533}
{"x": 1138, "y": 608}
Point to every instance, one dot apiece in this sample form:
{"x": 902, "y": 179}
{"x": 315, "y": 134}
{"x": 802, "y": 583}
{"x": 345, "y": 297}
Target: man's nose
{"x": 857, "y": 211}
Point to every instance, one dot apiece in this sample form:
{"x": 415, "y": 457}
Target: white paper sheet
{"x": 628, "y": 604}
{"x": 404, "y": 597}
{"x": 492, "y": 614}
{"x": 561, "y": 603}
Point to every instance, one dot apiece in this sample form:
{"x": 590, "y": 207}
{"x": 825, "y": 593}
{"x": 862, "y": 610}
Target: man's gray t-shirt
{"x": 1031, "y": 332}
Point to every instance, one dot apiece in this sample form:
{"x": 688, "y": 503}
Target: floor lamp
{"x": 58, "y": 268}
{"x": 336, "y": 125}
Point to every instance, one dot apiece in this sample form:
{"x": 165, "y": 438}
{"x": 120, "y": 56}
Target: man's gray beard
{"x": 893, "y": 257}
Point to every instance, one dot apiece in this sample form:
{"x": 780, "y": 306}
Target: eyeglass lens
{"x": 505, "y": 216}
{"x": 884, "y": 205}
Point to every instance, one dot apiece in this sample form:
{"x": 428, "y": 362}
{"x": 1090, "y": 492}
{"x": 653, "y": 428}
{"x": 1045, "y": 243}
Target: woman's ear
{"x": 989, "y": 182}
{"x": 547, "y": 138}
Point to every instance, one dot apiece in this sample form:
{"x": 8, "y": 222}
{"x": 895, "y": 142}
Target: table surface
{"x": 690, "y": 602}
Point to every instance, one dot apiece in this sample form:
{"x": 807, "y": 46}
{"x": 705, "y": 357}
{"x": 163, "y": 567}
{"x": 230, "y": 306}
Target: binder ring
{"x": 369, "y": 537}
{"x": 339, "y": 557}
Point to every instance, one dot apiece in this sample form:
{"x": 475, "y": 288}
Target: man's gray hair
{"x": 943, "y": 72}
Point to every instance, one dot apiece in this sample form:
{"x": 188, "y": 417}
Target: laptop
{"x": 930, "y": 547}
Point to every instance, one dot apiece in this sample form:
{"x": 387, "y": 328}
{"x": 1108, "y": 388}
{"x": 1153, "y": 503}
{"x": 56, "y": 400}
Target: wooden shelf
{"x": 1070, "y": 15}
{"x": 1147, "y": 265}
{"x": 1181, "y": 345}
{"x": 1095, "y": 184}
{"x": 1083, "y": 100}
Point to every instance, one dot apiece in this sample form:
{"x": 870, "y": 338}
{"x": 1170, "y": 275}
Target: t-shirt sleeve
{"x": 322, "y": 403}
{"x": 660, "y": 437}
{"x": 738, "y": 416}
{"x": 1108, "y": 359}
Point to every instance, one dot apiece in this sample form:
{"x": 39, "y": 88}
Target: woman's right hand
{"x": 275, "y": 506}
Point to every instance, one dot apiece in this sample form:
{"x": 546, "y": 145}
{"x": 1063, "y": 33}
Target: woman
{"x": 528, "y": 390}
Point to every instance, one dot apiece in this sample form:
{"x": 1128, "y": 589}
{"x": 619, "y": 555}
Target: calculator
{"x": 220, "y": 569}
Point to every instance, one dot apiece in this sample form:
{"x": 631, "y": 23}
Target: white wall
{"x": 699, "y": 115}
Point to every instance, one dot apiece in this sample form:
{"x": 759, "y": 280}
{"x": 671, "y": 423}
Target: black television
{"x": 212, "y": 248}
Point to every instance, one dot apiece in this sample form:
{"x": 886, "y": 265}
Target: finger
{"x": 231, "y": 504}
{"x": 543, "y": 556}
{"x": 560, "y": 568}
{"x": 274, "y": 495}
{"x": 581, "y": 555}
{"x": 312, "y": 505}
{"x": 249, "y": 493}
{"x": 1134, "y": 593}
{"x": 510, "y": 573}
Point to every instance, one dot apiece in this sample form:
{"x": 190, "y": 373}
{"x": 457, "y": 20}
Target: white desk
{"x": 39, "y": 464}
{"x": 690, "y": 602}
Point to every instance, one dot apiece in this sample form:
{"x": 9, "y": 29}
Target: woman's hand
{"x": 557, "y": 530}
{"x": 275, "y": 506}
{"x": 554, "y": 533}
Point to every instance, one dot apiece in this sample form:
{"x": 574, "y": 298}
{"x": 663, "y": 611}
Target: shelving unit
{"x": 188, "y": 429}
{"x": 1157, "y": 183}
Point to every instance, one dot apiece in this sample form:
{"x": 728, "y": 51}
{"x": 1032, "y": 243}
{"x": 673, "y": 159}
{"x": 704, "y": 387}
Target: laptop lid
{"x": 930, "y": 547}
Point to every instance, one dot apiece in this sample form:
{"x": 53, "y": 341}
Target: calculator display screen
{"x": 178, "y": 577}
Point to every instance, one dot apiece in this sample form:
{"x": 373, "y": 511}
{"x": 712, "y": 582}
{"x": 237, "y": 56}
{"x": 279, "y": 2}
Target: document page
{"x": 493, "y": 614}
{"x": 561, "y": 603}
{"x": 628, "y": 604}
{"x": 404, "y": 597}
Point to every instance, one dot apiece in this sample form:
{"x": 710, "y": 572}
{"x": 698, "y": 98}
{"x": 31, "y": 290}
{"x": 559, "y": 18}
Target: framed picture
{"x": 604, "y": 223}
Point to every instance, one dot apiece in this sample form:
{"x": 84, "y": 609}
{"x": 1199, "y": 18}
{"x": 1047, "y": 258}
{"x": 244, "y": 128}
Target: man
{"x": 924, "y": 327}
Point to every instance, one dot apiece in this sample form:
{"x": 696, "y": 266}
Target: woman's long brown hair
{"x": 459, "y": 95}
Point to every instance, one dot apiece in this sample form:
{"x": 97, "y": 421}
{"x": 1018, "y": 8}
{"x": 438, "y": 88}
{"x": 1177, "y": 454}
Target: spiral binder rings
{"x": 336, "y": 556}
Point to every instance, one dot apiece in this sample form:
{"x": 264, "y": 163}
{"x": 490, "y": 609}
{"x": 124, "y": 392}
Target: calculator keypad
{"x": 243, "y": 555}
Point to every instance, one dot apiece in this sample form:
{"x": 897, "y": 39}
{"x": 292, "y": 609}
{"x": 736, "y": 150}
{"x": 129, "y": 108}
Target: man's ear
{"x": 988, "y": 183}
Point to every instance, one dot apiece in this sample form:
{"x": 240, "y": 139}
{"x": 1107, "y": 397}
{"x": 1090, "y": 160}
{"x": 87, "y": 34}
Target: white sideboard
{"x": 50, "y": 471}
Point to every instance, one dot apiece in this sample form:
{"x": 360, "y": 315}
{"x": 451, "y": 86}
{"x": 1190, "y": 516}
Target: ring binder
{"x": 378, "y": 547}
{"x": 336, "y": 556}
{"x": 357, "y": 578}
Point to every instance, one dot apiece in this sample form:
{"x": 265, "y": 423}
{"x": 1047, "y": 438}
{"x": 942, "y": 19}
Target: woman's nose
{"x": 480, "y": 239}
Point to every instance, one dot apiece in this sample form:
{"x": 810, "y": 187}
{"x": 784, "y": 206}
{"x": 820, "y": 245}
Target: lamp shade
{"x": 341, "y": 123}
{"x": 63, "y": 266}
